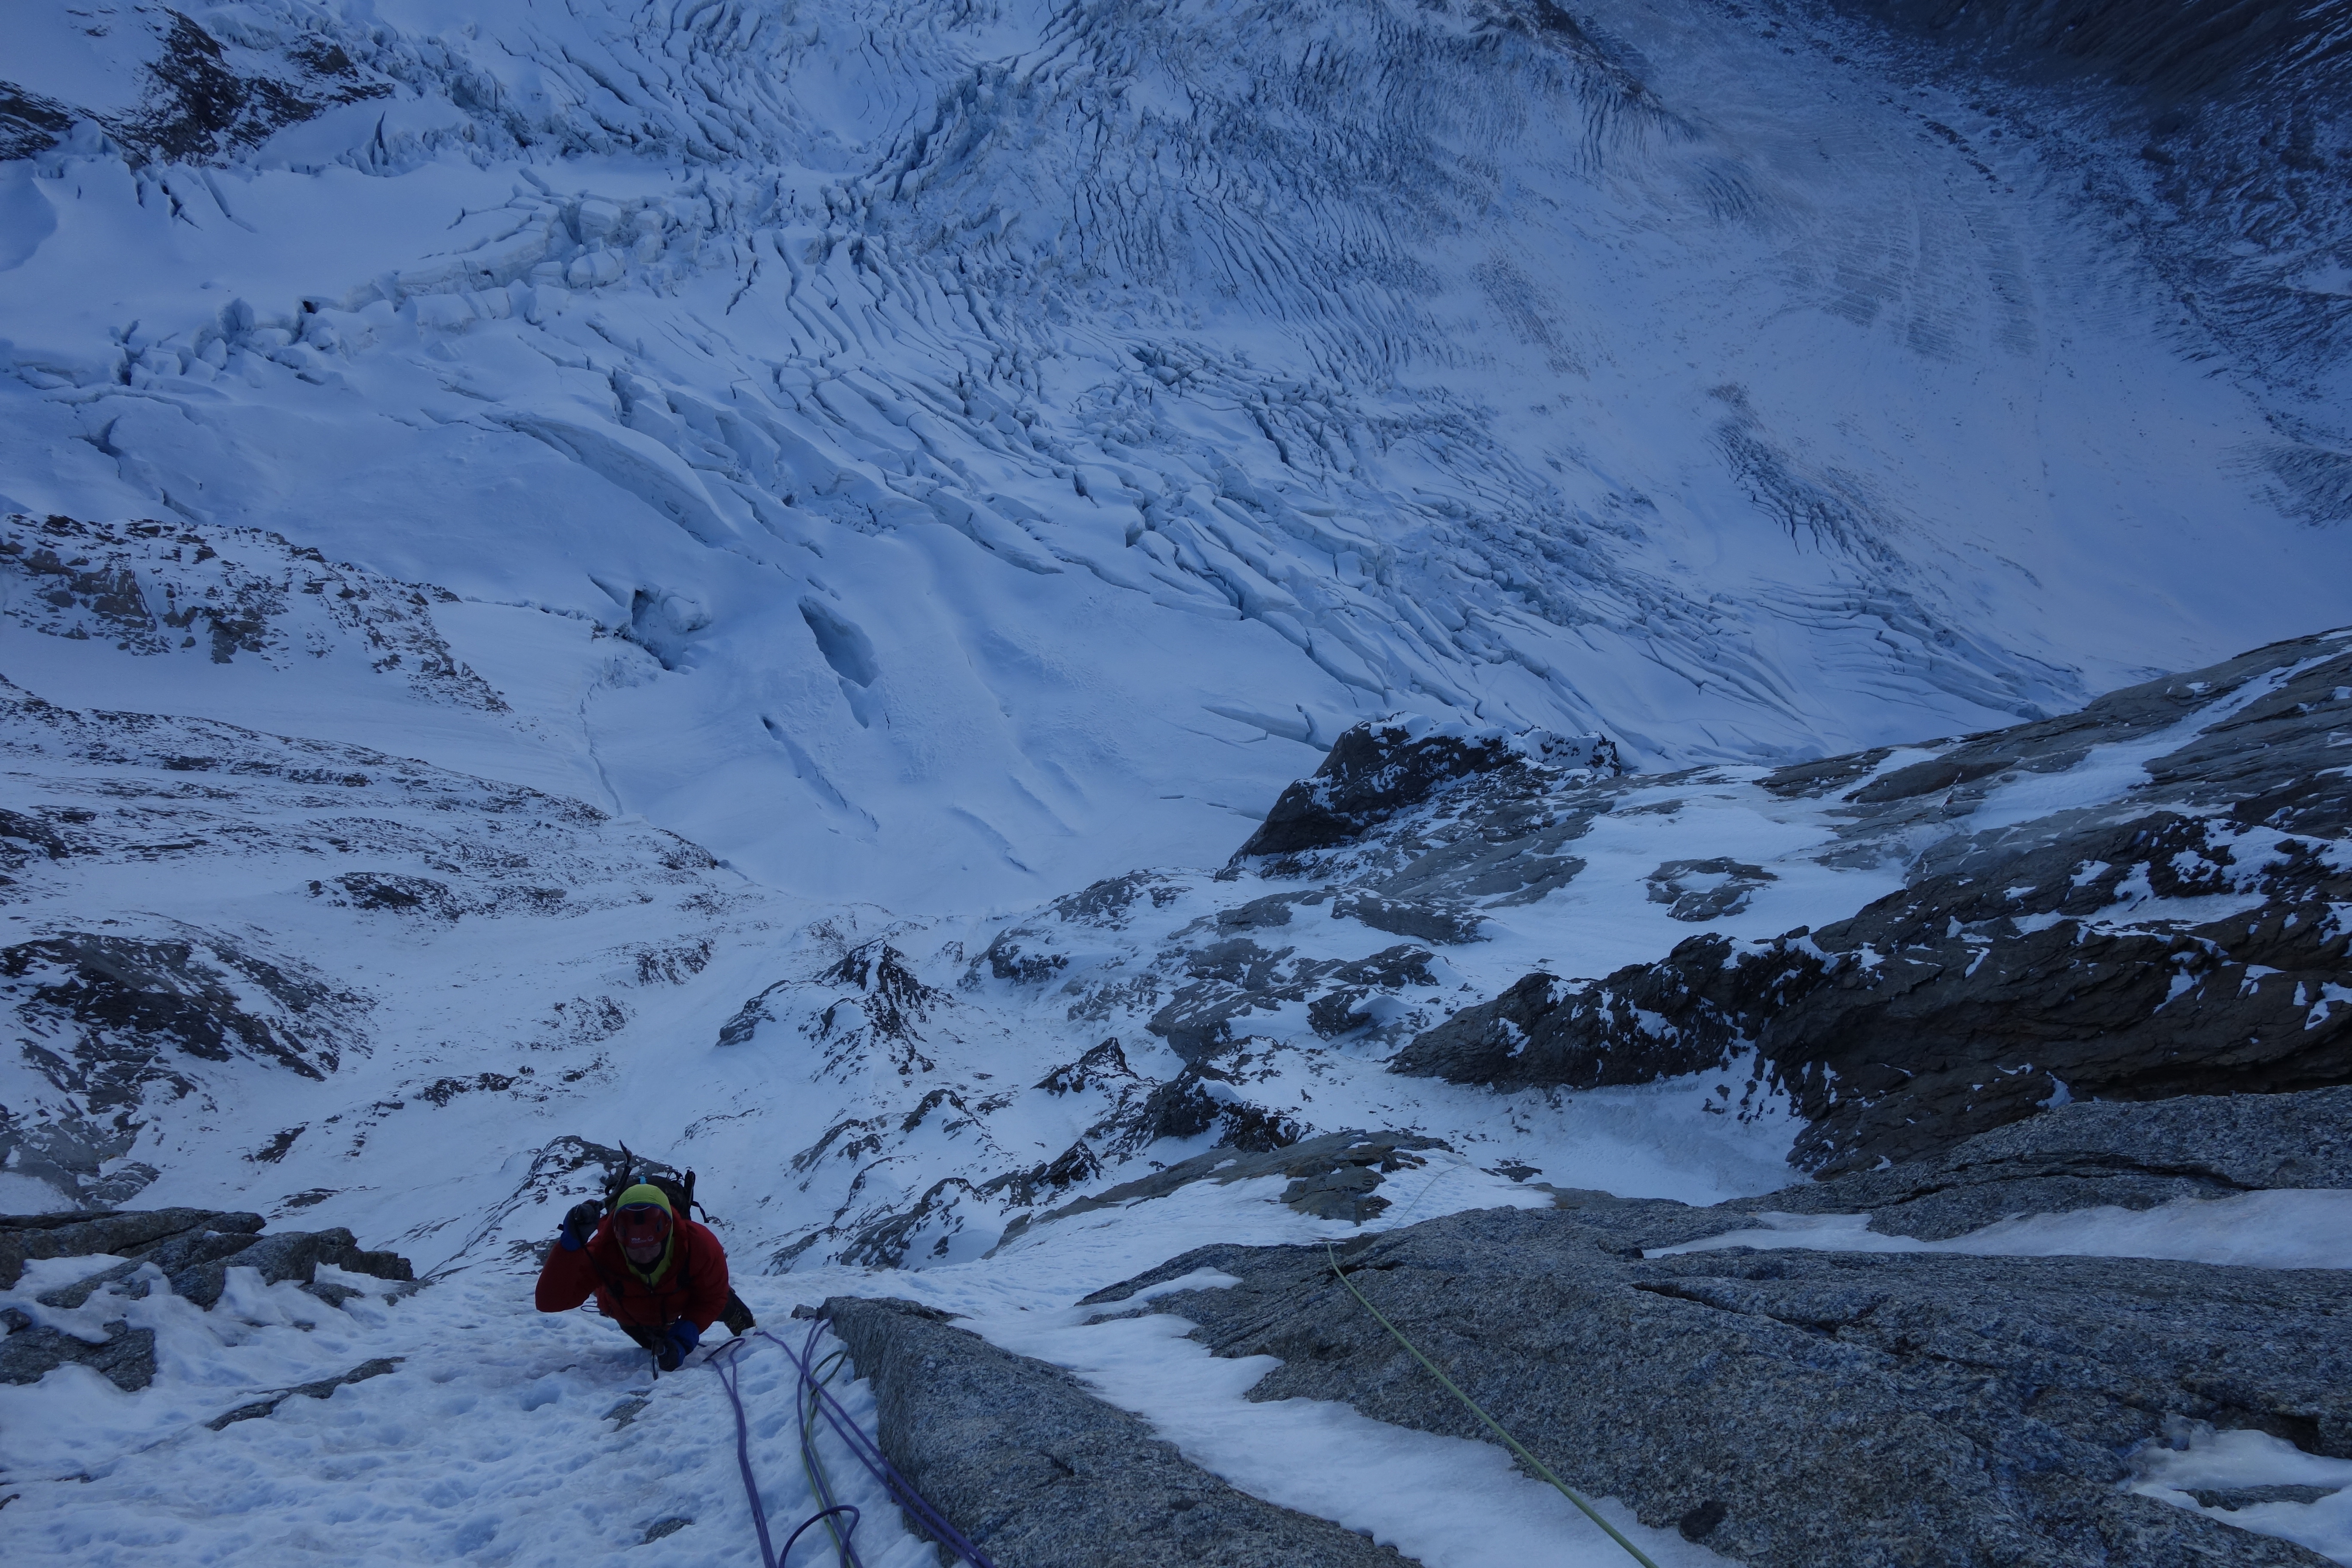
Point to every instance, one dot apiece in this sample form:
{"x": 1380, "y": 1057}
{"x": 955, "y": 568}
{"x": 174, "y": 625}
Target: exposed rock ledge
{"x": 2083, "y": 1156}
{"x": 2182, "y": 928}
{"x": 1792, "y": 1409}
{"x": 1040, "y": 1473}
{"x": 1788, "y": 1409}
{"x": 190, "y": 1251}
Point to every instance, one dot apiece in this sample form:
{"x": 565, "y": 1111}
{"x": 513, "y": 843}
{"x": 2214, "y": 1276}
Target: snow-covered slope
{"x": 2236, "y": 184}
{"x": 325, "y": 982}
{"x": 1022, "y": 436}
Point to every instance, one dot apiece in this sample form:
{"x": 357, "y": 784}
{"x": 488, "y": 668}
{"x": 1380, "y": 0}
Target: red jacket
{"x": 694, "y": 1284}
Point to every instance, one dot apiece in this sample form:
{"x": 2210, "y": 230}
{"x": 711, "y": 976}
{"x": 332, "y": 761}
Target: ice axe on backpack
{"x": 680, "y": 1194}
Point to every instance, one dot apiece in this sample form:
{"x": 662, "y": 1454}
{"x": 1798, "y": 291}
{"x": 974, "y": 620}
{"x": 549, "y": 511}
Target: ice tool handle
{"x": 680, "y": 1192}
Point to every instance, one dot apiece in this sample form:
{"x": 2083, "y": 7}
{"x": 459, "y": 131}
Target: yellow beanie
{"x": 644, "y": 1193}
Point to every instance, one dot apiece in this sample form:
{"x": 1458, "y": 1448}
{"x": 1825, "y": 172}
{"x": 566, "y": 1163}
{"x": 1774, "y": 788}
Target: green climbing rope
{"x": 1493, "y": 1425}
{"x": 812, "y": 1465}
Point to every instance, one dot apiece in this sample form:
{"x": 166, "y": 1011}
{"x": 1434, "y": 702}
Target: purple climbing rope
{"x": 869, "y": 1454}
{"x": 819, "y": 1517}
{"x": 845, "y": 1427}
{"x": 730, "y": 1375}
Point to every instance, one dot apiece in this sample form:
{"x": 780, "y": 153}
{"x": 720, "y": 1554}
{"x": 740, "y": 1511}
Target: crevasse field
{"x": 763, "y": 499}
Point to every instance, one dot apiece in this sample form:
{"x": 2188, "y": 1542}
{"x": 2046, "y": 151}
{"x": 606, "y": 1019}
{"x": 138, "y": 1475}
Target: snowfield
{"x": 1020, "y": 438}
{"x": 725, "y": 578}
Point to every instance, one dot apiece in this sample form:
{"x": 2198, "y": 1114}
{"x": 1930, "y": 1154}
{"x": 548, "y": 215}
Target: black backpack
{"x": 680, "y": 1193}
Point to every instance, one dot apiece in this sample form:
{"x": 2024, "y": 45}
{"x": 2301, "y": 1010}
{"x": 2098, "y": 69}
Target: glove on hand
{"x": 676, "y": 1342}
{"x": 580, "y": 1225}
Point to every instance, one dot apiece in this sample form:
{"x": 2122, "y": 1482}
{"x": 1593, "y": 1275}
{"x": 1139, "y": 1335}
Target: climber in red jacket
{"x": 656, "y": 1273}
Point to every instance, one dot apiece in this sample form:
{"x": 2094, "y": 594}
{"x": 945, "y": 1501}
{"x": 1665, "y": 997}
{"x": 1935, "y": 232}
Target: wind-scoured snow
{"x": 474, "y": 1447}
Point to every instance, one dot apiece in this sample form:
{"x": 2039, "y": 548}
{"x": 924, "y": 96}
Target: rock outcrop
{"x": 1786, "y": 1408}
{"x": 2130, "y": 1156}
{"x": 2144, "y": 900}
{"x": 170, "y": 591}
{"x": 187, "y": 1252}
{"x": 199, "y": 102}
{"x": 1791, "y": 1409}
{"x": 114, "y": 1013}
{"x": 319, "y": 1388}
{"x": 1040, "y": 1472}
{"x": 1375, "y": 770}
{"x": 2180, "y": 928}
{"x": 1335, "y": 1176}
{"x": 1224, "y": 983}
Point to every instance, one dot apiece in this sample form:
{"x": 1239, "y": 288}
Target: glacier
{"x": 1645, "y": 374}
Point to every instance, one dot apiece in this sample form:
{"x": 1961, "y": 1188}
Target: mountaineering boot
{"x": 737, "y": 1317}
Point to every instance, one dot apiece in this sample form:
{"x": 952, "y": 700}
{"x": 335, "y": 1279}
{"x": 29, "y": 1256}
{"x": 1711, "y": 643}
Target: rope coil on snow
{"x": 869, "y": 1454}
{"x": 812, "y": 1467}
{"x": 731, "y": 1376}
{"x": 815, "y": 1399}
{"x": 1571, "y": 1493}
{"x": 823, "y": 1514}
